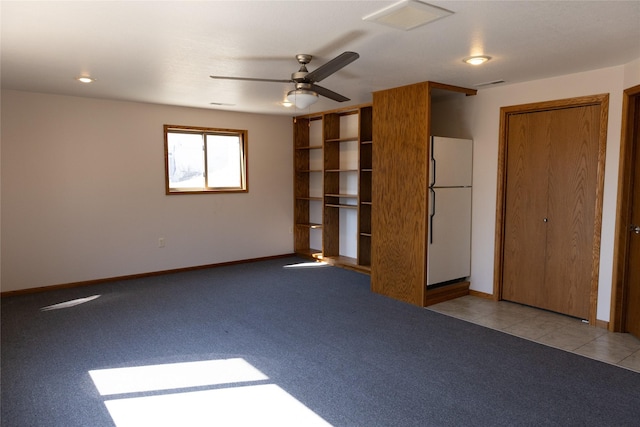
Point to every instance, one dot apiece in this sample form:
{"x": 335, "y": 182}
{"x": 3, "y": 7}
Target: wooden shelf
{"x": 342, "y": 139}
{"x": 340, "y": 205}
{"x": 341, "y": 170}
{"x": 364, "y": 187}
{"x": 310, "y": 253}
{"x": 309, "y": 225}
{"x": 347, "y": 262}
{"x": 355, "y": 138}
{"x": 344, "y": 196}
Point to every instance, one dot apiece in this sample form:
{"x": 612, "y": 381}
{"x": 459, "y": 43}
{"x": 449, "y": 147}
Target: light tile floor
{"x": 552, "y": 329}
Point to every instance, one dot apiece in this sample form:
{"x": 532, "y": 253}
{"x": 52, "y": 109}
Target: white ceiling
{"x": 164, "y": 51}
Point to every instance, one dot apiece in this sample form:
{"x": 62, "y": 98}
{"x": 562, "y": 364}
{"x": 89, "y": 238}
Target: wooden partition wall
{"x": 401, "y": 131}
{"x": 399, "y": 196}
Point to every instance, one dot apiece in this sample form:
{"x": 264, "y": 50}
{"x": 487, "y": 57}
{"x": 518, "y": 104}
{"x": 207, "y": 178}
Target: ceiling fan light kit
{"x": 307, "y": 91}
{"x": 302, "y": 98}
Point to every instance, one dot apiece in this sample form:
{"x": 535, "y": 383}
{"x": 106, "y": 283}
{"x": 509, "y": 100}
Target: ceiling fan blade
{"x": 251, "y": 79}
{"x": 331, "y": 67}
{"x": 329, "y": 93}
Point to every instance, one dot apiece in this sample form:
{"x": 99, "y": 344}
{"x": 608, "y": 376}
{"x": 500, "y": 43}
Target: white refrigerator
{"x": 449, "y": 236}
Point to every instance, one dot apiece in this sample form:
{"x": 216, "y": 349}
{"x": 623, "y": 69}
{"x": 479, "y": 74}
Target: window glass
{"x": 186, "y": 162}
{"x": 223, "y": 161}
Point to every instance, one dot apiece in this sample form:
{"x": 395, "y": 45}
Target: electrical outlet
{"x": 161, "y": 242}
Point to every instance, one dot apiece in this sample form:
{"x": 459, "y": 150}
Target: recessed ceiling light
{"x": 407, "y": 14}
{"x": 85, "y": 79}
{"x": 476, "y": 60}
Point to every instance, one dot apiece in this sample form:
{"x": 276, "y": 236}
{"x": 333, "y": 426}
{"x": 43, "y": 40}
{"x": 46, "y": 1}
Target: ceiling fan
{"x": 307, "y": 91}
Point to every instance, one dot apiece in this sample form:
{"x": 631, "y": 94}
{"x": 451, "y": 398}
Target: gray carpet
{"x": 352, "y": 357}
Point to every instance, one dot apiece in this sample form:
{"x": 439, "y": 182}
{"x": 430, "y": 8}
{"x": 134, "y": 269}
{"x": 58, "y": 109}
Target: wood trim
{"x": 603, "y": 324}
{"x": 136, "y": 276}
{"x": 466, "y": 91}
{"x": 603, "y": 101}
{"x": 602, "y": 154}
{"x": 580, "y": 101}
{"x": 352, "y": 109}
{"x": 482, "y": 295}
{"x": 500, "y": 205}
{"x": 446, "y": 293}
{"x": 623, "y": 209}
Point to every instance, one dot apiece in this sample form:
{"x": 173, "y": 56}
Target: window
{"x": 205, "y": 160}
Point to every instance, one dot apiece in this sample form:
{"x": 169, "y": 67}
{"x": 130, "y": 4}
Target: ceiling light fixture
{"x": 302, "y": 96}
{"x": 476, "y": 60}
{"x": 85, "y": 79}
{"x": 407, "y": 14}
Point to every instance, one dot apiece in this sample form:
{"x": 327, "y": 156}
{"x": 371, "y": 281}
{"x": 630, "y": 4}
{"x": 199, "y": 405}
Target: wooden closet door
{"x": 525, "y": 208}
{"x": 550, "y": 208}
{"x": 632, "y": 299}
{"x": 573, "y": 179}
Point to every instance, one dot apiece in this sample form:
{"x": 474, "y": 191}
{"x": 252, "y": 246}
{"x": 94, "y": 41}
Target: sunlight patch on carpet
{"x": 236, "y": 394}
{"x": 174, "y": 375}
{"x": 307, "y": 264}
{"x": 70, "y": 303}
{"x": 258, "y": 405}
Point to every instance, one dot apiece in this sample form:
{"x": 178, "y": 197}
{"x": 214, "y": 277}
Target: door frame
{"x": 602, "y": 100}
{"x": 623, "y": 209}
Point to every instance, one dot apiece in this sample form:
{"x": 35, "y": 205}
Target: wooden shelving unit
{"x": 308, "y": 196}
{"x": 340, "y": 141}
{"x": 399, "y": 218}
{"x": 364, "y": 186}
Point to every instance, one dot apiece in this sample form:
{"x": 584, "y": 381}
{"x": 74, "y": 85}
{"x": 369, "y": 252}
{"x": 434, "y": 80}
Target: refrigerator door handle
{"x": 432, "y": 213}
{"x": 432, "y": 170}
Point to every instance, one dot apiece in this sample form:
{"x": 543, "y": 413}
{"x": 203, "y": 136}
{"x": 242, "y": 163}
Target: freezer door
{"x": 451, "y": 162}
{"x": 449, "y": 254}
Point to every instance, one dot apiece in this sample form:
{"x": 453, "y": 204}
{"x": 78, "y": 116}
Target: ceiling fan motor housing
{"x": 301, "y": 74}
{"x": 303, "y": 58}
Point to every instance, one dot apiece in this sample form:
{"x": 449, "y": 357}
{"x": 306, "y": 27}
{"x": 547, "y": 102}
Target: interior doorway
{"x": 549, "y": 208}
{"x": 625, "y": 301}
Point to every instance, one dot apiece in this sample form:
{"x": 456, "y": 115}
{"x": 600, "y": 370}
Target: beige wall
{"x": 83, "y": 193}
{"x": 83, "y": 190}
{"x": 632, "y": 74}
{"x": 482, "y": 116}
